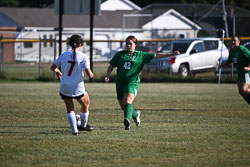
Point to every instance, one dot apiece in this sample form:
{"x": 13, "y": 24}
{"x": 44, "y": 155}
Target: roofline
{"x": 131, "y": 4}
{"x": 180, "y": 15}
{"x": 183, "y": 17}
{"x": 199, "y": 38}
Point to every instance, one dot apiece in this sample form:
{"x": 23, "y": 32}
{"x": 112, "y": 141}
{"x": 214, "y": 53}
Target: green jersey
{"x": 241, "y": 56}
{"x": 129, "y": 66}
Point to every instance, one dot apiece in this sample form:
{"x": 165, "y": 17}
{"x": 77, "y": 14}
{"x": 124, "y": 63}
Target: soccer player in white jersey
{"x": 70, "y": 67}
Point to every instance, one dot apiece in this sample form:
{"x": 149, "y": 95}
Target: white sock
{"x": 72, "y": 121}
{"x": 84, "y": 119}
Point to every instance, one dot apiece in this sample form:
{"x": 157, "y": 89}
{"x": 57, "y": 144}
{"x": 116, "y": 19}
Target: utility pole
{"x": 92, "y": 11}
{"x": 225, "y": 17}
{"x": 61, "y": 7}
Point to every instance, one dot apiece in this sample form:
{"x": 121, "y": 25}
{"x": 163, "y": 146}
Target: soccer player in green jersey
{"x": 129, "y": 65}
{"x": 241, "y": 55}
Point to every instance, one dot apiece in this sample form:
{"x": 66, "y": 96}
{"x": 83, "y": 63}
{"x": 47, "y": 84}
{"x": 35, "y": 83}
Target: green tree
{"x": 25, "y": 3}
{"x": 9, "y": 3}
{"x": 245, "y": 4}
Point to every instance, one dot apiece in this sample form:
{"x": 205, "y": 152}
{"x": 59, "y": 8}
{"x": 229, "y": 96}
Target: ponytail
{"x": 75, "y": 41}
{"x": 74, "y": 52}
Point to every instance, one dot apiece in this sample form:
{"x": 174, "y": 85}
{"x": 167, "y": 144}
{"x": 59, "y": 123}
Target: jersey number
{"x": 71, "y": 67}
{"x": 127, "y": 65}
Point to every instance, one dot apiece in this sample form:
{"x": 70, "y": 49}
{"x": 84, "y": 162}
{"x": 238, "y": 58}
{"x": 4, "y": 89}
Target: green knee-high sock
{"x": 129, "y": 111}
{"x": 134, "y": 114}
{"x": 247, "y": 98}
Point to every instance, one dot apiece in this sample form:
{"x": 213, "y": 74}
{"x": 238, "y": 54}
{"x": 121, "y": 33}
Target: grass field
{"x": 182, "y": 125}
{"x": 30, "y": 72}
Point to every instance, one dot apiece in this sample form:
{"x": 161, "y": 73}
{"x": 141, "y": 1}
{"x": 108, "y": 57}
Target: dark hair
{"x": 238, "y": 37}
{"x": 75, "y": 41}
{"x": 133, "y": 38}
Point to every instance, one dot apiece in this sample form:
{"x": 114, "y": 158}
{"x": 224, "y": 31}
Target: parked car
{"x": 143, "y": 48}
{"x": 165, "y": 48}
{"x": 196, "y": 55}
{"x": 247, "y": 45}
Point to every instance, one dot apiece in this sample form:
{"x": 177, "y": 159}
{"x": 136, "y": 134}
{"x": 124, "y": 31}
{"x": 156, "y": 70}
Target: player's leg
{"x": 126, "y": 96}
{"x": 71, "y": 115}
{"x": 120, "y": 101}
{"x": 120, "y": 95}
{"x": 84, "y": 101}
{"x": 136, "y": 114}
{"x": 128, "y": 109}
{"x": 130, "y": 93}
{"x": 244, "y": 91}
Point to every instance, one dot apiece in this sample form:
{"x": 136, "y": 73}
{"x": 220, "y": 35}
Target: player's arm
{"x": 162, "y": 55}
{"x": 247, "y": 54}
{"x": 247, "y": 68}
{"x": 109, "y": 71}
{"x": 55, "y": 69}
{"x": 89, "y": 73}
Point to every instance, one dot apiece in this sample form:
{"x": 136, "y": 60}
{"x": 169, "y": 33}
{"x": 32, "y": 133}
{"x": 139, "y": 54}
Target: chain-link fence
{"x": 29, "y": 55}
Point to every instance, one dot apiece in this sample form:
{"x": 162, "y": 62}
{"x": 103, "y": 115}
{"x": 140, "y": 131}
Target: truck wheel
{"x": 183, "y": 70}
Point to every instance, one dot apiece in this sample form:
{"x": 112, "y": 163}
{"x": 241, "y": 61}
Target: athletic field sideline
{"x": 182, "y": 124}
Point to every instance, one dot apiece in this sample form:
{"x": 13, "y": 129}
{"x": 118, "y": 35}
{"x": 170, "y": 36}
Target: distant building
{"x": 207, "y": 16}
{"x": 119, "y": 18}
{"x": 114, "y": 5}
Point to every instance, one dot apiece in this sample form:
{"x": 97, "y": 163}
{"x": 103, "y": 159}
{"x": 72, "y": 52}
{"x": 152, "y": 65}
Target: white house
{"x": 172, "y": 23}
{"x": 42, "y": 23}
{"x": 114, "y": 5}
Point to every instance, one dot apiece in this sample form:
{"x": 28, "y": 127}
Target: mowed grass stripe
{"x": 182, "y": 125}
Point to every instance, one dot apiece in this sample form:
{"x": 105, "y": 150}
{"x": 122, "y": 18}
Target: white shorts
{"x": 247, "y": 78}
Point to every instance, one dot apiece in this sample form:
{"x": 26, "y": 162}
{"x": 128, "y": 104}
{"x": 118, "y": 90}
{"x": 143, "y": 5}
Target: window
{"x": 28, "y": 44}
{"x": 198, "y": 47}
{"x": 181, "y": 46}
{"x": 51, "y": 38}
{"x": 215, "y": 44}
{"x": 45, "y": 43}
{"x": 210, "y": 45}
{"x": 166, "y": 48}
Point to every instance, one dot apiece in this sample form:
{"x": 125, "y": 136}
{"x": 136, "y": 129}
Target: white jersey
{"x": 72, "y": 81}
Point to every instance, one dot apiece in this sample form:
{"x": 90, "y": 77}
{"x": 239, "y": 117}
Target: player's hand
{"x": 106, "y": 79}
{"x": 175, "y": 53}
{"x": 246, "y": 68}
{"x": 91, "y": 75}
{"x": 59, "y": 75}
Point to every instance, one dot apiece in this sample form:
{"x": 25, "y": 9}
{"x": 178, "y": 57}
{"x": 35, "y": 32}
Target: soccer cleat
{"x": 75, "y": 134}
{"x": 137, "y": 120}
{"x": 126, "y": 124}
{"x": 87, "y": 128}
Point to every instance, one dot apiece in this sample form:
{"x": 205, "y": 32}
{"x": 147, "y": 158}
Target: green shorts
{"x": 129, "y": 88}
{"x": 244, "y": 77}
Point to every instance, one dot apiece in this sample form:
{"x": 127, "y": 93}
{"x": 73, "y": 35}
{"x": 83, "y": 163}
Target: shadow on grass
{"x": 38, "y": 130}
{"x": 145, "y": 77}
